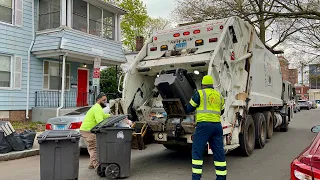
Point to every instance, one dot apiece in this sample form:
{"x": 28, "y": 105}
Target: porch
{"x": 72, "y": 99}
{"x": 47, "y": 102}
{"x": 71, "y": 50}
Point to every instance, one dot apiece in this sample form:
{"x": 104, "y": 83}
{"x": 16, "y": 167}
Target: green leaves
{"x": 132, "y": 23}
{"x": 109, "y": 80}
{"x": 137, "y": 22}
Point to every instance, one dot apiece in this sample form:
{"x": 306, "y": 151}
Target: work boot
{"x": 90, "y": 166}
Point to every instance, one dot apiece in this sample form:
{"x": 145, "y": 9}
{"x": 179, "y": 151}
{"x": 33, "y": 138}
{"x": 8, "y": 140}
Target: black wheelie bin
{"x": 175, "y": 84}
{"x": 59, "y": 155}
{"x": 113, "y": 148}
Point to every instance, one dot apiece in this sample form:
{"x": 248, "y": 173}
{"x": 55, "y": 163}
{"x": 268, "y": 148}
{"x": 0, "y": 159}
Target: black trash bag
{"x": 5, "y": 147}
{"x": 16, "y": 142}
{"x": 27, "y": 137}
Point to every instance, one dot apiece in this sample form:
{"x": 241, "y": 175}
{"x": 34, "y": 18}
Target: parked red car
{"x": 307, "y": 165}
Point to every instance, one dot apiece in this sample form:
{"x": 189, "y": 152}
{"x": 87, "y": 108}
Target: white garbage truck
{"x": 169, "y": 69}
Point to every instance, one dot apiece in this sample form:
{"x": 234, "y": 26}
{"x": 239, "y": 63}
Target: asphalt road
{"x": 158, "y": 163}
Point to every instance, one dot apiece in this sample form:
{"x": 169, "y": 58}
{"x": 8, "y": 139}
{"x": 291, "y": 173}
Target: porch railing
{"x": 71, "y": 98}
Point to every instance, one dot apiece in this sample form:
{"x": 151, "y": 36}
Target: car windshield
{"x": 79, "y": 111}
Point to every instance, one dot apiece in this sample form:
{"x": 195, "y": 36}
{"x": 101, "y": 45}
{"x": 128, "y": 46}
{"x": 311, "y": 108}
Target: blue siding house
{"x": 47, "y": 54}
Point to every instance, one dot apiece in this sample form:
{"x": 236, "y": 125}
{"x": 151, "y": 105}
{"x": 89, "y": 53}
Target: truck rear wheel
{"x": 260, "y": 129}
{"x": 247, "y": 136}
{"x": 269, "y": 120}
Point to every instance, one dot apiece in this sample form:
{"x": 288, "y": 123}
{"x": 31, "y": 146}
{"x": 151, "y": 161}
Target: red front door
{"x": 82, "y": 98}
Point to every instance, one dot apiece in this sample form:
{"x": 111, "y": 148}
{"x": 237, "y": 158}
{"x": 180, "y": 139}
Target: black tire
{"x": 101, "y": 171}
{"x": 247, "y": 136}
{"x": 285, "y": 126}
{"x": 260, "y": 129}
{"x": 112, "y": 171}
{"x": 289, "y": 114}
{"x": 270, "y": 126}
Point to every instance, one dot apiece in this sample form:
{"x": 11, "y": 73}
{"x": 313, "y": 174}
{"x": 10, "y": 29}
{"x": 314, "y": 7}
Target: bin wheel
{"x": 101, "y": 171}
{"x": 112, "y": 171}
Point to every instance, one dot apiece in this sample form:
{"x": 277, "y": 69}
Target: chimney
{"x": 139, "y": 43}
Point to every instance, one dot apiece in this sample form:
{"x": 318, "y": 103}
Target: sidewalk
{"x": 22, "y": 154}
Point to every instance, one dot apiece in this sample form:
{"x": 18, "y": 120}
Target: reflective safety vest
{"x": 211, "y": 104}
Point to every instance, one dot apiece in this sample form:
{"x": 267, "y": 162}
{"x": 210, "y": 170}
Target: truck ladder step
{"x": 229, "y": 148}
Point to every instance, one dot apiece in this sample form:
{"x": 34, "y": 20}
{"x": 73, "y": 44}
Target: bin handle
{"x": 45, "y": 134}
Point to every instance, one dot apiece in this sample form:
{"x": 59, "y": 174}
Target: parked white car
{"x": 72, "y": 121}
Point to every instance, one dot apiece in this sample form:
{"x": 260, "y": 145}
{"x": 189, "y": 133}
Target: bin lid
{"x": 59, "y": 135}
{"x": 116, "y": 129}
{"x": 109, "y": 122}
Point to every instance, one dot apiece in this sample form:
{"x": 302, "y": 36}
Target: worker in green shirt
{"x": 94, "y": 116}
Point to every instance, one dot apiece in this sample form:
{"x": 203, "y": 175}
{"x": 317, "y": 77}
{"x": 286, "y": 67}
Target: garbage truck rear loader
{"x": 170, "y": 66}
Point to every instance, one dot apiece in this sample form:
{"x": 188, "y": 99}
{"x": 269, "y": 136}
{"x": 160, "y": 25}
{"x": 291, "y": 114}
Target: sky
{"x": 159, "y": 8}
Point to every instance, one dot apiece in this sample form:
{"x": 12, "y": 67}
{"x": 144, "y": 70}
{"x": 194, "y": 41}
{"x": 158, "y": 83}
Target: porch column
{"x": 116, "y": 27}
{"x": 63, "y": 17}
{"x": 62, "y": 84}
{"x": 69, "y": 13}
{"x": 119, "y": 29}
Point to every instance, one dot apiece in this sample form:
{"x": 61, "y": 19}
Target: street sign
{"x": 97, "y": 63}
{"x": 96, "y": 73}
{"x": 96, "y": 81}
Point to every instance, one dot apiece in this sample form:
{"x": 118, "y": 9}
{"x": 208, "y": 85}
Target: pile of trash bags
{"x": 13, "y": 141}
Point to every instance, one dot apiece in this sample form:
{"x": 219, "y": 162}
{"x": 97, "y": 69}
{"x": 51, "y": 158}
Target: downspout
{"x": 63, "y": 83}
{"x": 29, "y": 59}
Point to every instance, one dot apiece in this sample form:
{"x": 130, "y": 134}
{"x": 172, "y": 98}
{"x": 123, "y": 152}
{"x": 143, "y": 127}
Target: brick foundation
{"x": 19, "y": 115}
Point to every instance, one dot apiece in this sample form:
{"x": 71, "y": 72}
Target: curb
{"x": 19, "y": 154}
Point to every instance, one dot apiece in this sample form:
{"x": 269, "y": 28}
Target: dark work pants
{"x": 213, "y": 133}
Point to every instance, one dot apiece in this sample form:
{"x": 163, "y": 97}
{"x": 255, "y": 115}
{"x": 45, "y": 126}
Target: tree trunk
{"x": 262, "y": 31}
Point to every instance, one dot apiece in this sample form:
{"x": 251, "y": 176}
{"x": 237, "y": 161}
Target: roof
{"x": 108, "y": 6}
{"x": 131, "y": 53}
{"x": 281, "y": 58}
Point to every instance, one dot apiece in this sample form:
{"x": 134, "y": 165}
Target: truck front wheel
{"x": 247, "y": 136}
{"x": 260, "y": 129}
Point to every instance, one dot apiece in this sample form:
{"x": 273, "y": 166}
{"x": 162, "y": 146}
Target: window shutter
{"x": 17, "y": 72}
{"x": 18, "y": 15}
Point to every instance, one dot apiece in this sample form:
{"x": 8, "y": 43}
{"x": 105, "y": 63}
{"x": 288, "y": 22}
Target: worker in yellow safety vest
{"x": 209, "y": 105}
{"x": 93, "y": 117}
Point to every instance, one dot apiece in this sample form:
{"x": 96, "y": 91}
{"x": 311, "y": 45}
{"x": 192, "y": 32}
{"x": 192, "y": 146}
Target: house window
{"x": 52, "y": 76}
{"x": 6, "y": 11}
{"x": 93, "y": 20}
{"x": 5, "y": 71}
{"x": 80, "y": 16}
{"x": 108, "y": 25}
{"x": 49, "y": 14}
